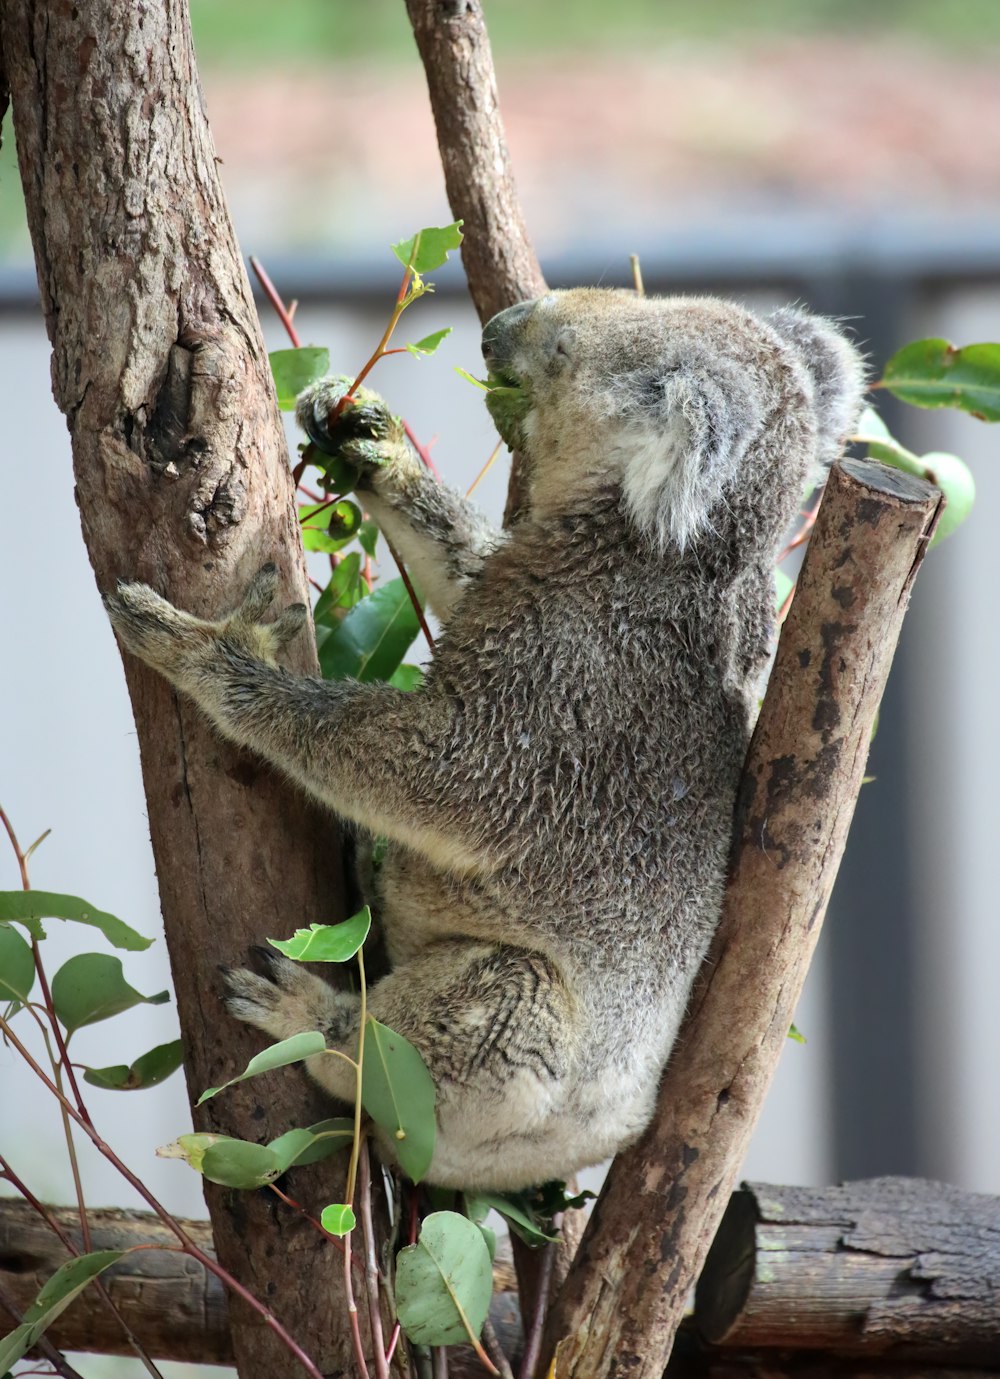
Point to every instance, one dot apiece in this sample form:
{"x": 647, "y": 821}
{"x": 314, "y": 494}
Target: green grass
{"x": 254, "y": 33}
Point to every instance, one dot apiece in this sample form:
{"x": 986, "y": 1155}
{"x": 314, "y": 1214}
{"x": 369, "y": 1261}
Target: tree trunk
{"x": 182, "y": 480}
{"x": 643, "y": 1248}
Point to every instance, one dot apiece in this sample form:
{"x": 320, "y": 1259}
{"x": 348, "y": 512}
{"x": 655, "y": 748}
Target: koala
{"x": 558, "y": 796}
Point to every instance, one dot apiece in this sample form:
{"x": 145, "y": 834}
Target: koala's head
{"x": 706, "y": 418}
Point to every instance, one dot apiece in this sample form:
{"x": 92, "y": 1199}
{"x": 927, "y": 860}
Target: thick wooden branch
{"x": 499, "y": 261}
{"x": 892, "y": 1267}
{"x": 177, "y": 1309}
{"x": 620, "y": 1308}
{"x": 182, "y": 479}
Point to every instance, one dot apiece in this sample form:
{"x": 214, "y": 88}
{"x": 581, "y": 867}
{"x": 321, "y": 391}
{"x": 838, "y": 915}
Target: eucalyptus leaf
{"x": 294, "y": 370}
{"x": 148, "y": 1071}
{"x": 17, "y": 966}
{"x": 444, "y": 1282}
{"x": 327, "y": 527}
{"x": 308, "y": 1146}
{"x": 338, "y": 1219}
{"x": 327, "y": 942}
{"x": 935, "y": 373}
{"x": 954, "y": 478}
{"x": 344, "y": 589}
{"x": 429, "y": 343}
{"x": 398, "y": 1094}
{"x": 516, "y": 1213}
{"x": 796, "y": 1035}
{"x": 30, "y": 907}
{"x": 406, "y": 677}
{"x": 240, "y": 1164}
{"x": 65, "y": 1284}
{"x": 373, "y": 638}
{"x": 428, "y": 248}
{"x": 368, "y": 536}
{"x": 279, "y": 1055}
{"x": 92, "y": 987}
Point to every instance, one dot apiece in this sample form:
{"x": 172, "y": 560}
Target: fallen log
{"x": 893, "y": 1267}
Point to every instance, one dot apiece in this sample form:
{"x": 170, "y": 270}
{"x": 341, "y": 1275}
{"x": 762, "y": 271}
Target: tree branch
{"x": 455, "y": 49}
{"x": 620, "y": 1307}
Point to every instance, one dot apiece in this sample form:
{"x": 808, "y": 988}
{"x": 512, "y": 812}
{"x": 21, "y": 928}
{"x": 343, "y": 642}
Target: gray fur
{"x": 558, "y": 797}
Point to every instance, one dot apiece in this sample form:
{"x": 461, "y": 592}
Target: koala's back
{"x": 598, "y": 757}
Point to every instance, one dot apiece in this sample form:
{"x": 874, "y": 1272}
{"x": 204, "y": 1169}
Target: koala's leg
{"x": 442, "y": 537}
{"x": 496, "y": 1028}
{"x": 372, "y": 753}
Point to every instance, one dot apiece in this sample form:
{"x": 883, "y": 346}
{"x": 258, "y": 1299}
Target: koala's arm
{"x": 441, "y": 536}
{"x": 370, "y": 752}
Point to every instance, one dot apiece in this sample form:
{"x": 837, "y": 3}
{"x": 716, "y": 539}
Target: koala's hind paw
{"x": 364, "y": 434}
{"x": 287, "y": 999}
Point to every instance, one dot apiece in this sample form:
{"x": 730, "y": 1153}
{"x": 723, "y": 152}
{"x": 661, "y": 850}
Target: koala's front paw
{"x": 153, "y": 629}
{"x": 287, "y": 999}
{"x": 180, "y": 645}
{"x": 364, "y": 434}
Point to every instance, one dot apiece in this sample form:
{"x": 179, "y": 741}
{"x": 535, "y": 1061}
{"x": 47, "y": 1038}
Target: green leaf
{"x": 515, "y": 1212}
{"x": 470, "y": 378}
{"x": 338, "y": 1219}
{"x": 428, "y": 248}
{"x": 317, "y": 1142}
{"x": 294, "y": 370}
{"x": 368, "y": 536}
{"x": 398, "y": 1094}
{"x": 338, "y": 475}
{"x": 92, "y": 987}
{"x": 65, "y": 1284}
{"x": 796, "y": 1034}
{"x": 149, "y": 1070}
{"x": 327, "y": 942}
{"x": 954, "y": 478}
{"x": 374, "y": 637}
{"x": 327, "y": 528}
{"x": 934, "y": 373}
{"x": 344, "y": 589}
{"x": 444, "y": 1282}
{"x": 947, "y": 472}
{"x": 240, "y": 1164}
{"x": 30, "y": 907}
{"x": 17, "y": 966}
{"x": 278, "y": 1055}
{"x": 407, "y": 677}
{"x": 429, "y": 343}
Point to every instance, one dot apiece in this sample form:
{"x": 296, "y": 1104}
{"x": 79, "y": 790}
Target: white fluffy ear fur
{"x": 680, "y": 453}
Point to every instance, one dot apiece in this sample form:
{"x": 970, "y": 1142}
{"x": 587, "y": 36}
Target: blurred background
{"x": 839, "y": 154}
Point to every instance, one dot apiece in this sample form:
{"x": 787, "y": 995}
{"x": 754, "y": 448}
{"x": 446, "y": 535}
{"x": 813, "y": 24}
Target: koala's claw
{"x": 259, "y": 595}
{"x": 363, "y": 434}
{"x": 286, "y": 1000}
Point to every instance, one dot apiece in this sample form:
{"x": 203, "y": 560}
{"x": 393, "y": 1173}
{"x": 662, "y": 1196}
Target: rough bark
{"x": 177, "y": 1309}
{"x": 455, "y": 49}
{"x": 643, "y": 1248}
{"x": 182, "y": 480}
{"x": 891, "y": 1267}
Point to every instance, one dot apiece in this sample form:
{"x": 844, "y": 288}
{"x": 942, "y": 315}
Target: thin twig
{"x": 274, "y": 297}
{"x": 439, "y": 1359}
{"x": 533, "y": 1344}
{"x": 495, "y": 1350}
{"x": 422, "y": 450}
{"x": 412, "y": 593}
{"x": 484, "y": 471}
{"x": 371, "y": 1263}
{"x": 207, "y": 1262}
{"x": 352, "y": 1309}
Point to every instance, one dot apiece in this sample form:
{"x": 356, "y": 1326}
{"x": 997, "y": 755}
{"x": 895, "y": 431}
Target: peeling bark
{"x": 182, "y": 480}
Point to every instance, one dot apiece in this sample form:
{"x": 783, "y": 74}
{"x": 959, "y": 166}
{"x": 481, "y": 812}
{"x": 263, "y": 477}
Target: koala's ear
{"x": 836, "y": 371}
{"x": 688, "y": 430}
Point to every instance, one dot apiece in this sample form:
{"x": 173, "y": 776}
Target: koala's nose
{"x": 500, "y": 332}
